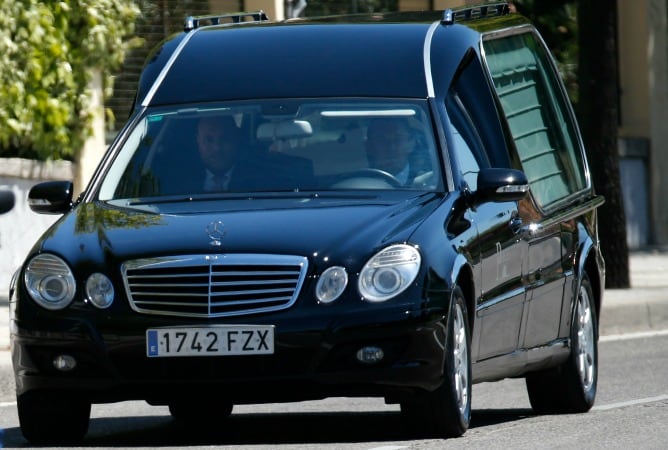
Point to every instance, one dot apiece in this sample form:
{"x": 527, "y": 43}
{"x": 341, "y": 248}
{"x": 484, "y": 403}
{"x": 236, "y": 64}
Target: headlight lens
{"x": 389, "y": 272}
{"x": 100, "y": 290}
{"x": 50, "y": 282}
{"x": 331, "y": 284}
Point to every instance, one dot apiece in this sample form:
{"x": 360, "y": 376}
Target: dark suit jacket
{"x": 263, "y": 172}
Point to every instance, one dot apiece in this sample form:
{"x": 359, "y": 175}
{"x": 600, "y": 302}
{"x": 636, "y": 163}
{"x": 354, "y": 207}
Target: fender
{"x": 590, "y": 259}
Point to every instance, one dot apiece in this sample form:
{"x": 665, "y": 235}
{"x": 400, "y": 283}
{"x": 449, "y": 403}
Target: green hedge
{"x": 47, "y": 51}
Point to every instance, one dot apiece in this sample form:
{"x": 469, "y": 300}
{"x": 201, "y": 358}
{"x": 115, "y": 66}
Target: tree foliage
{"x": 557, "y": 22}
{"x": 330, "y": 7}
{"x": 48, "y": 49}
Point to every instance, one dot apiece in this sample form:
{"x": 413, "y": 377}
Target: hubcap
{"x": 585, "y": 341}
{"x": 461, "y": 359}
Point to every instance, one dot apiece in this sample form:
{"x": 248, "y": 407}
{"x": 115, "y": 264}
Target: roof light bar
{"x": 474, "y": 12}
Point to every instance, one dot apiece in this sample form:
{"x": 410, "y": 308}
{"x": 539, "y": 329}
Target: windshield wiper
{"x": 273, "y": 194}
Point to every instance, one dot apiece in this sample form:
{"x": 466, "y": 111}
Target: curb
{"x": 634, "y": 310}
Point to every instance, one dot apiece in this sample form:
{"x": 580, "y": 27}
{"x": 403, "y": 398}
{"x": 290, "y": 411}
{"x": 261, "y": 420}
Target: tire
{"x": 571, "y": 387}
{"x": 52, "y": 418}
{"x": 193, "y": 412}
{"x": 446, "y": 412}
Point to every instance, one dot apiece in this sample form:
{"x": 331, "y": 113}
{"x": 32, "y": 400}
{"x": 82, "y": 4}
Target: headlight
{"x": 331, "y": 284}
{"x": 389, "y": 272}
{"x": 99, "y": 290}
{"x": 50, "y": 282}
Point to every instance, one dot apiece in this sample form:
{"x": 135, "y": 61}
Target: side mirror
{"x": 51, "y": 197}
{"x": 6, "y": 201}
{"x": 501, "y": 185}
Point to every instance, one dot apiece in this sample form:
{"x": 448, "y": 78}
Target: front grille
{"x": 213, "y": 285}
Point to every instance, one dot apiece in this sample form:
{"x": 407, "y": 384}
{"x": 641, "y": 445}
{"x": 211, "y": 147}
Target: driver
{"x": 389, "y": 143}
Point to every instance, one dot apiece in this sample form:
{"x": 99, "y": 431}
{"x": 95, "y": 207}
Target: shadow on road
{"x": 261, "y": 429}
{"x": 488, "y": 417}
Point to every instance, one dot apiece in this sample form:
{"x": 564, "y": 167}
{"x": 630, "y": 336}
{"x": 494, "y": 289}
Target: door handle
{"x": 515, "y": 224}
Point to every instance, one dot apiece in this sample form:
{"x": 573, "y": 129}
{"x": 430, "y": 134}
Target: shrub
{"x": 47, "y": 52}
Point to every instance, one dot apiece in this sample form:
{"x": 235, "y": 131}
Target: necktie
{"x": 216, "y": 183}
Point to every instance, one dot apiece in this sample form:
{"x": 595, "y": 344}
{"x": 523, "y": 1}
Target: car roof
{"x": 362, "y": 55}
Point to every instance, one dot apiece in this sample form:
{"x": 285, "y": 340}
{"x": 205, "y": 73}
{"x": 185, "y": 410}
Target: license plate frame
{"x": 220, "y": 340}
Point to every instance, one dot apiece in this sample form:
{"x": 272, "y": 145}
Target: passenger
{"x": 218, "y": 145}
{"x": 222, "y": 164}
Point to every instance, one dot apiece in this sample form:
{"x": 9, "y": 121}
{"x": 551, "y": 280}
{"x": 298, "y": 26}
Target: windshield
{"x": 276, "y": 146}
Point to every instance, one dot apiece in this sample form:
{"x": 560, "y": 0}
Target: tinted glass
{"x": 538, "y": 115}
{"x": 466, "y": 143}
{"x": 286, "y": 146}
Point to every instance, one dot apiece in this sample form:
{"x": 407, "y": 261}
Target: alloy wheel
{"x": 585, "y": 359}
{"x": 461, "y": 359}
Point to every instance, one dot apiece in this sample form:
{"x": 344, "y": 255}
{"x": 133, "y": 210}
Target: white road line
{"x": 7, "y": 404}
{"x": 389, "y": 447}
{"x": 628, "y": 336}
{"x": 639, "y": 401}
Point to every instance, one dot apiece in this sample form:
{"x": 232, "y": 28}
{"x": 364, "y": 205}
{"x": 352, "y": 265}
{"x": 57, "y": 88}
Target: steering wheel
{"x": 378, "y": 174}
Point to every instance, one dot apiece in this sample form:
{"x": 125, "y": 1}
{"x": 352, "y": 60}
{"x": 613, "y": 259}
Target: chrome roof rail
{"x": 474, "y": 12}
{"x": 192, "y": 22}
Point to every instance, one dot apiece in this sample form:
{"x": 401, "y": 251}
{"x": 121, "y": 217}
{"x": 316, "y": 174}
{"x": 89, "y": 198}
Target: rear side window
{"x": 538, "y": 115}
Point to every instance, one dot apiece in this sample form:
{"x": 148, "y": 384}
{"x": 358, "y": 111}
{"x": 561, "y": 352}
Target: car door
{"x": 500, "y": 305}
{"x": 544, "y": 278}
{"x": 548, "y": 148}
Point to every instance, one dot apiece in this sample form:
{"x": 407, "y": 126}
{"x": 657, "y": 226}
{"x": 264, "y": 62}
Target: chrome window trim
{"x": 426, "y": 56}
{"x": 167, "y": 67}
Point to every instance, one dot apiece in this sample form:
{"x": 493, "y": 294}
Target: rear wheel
{"x": 571, "y": 387}
{"x": 52, "y": 418}
{"x": 446, "y": 412}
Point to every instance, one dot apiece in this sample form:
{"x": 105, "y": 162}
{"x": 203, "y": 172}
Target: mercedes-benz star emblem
{"x": 216, "y": 231}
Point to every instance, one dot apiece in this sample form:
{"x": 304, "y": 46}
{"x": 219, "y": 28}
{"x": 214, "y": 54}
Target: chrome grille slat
{"x": 167, "y": 285}
{"x": 249, "y": 292}
{"x": 240, "y": 283}
{"x": 167, "y": 294}
{"x": 198, "y": 274}
{"x": 259, "y": 274}
{"x": 153, "y": 303}
{"x": 213, "y": 285}
{"x": 267, "y": 300}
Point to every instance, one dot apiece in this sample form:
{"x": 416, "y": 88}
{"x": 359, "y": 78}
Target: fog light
{"x": 370, "y": 355}
{"x": 64, "y": 363}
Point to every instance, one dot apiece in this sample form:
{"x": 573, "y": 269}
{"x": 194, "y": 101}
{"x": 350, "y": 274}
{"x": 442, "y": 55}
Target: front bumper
{"x": 314, "y": 357}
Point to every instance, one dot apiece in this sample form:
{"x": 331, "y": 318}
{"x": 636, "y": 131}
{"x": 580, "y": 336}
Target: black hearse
{"x": 392, "y": 205}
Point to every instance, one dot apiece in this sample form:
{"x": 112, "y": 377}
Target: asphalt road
{"x": 631, "y": 412}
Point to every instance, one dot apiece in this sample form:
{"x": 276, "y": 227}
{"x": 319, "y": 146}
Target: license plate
{"x": 210, "y": 341}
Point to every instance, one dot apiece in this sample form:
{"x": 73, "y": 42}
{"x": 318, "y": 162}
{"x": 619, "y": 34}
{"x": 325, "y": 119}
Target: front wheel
{"x": 52, "y": 417}
{"x": 446, "y": 412}
{"x": 571, "y": 387}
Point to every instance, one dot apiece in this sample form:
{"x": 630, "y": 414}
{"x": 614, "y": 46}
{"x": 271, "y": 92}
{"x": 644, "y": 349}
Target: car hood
{"x": 333, "y": 229}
